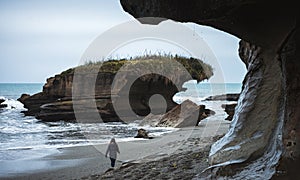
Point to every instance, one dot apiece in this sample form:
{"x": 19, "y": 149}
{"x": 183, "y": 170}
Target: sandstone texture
{"x": 186, "y": 114}
{"x": 112, "y": 91}
{"x": 228, "y": 108}
{"x": 263, "y": 140}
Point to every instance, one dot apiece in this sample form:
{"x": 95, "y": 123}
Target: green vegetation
{"x": 195, "y": 67}
{"x": 69, "y": 71}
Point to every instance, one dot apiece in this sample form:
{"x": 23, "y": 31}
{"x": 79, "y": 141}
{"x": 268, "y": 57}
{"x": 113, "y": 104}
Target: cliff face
{"x": 55, "y": 103}
{"x": 264, "y": 136}
{"x": 125, "y": 92}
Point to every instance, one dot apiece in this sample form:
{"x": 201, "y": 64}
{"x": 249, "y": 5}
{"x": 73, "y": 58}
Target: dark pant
{"x": 112, "y": 162}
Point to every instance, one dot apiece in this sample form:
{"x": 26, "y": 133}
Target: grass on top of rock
{"x": 196, "y": 68}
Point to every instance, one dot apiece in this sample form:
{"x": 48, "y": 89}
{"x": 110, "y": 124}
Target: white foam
{"x": 13, "y": 104}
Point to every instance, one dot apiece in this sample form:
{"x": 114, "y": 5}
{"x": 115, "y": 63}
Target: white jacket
{"x": 112, "y": 150}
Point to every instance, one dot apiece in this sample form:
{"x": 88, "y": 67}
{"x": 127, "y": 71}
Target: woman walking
{"x": 112, "y": 150}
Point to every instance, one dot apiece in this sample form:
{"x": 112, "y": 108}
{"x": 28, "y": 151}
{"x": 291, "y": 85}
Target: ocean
{"x": 23, "y": 137}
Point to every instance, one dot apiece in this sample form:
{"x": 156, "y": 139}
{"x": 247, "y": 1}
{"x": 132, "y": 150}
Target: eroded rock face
{"x": 55, "y": 102}
{"x": 290, "y": 161}
{"x": 262, "y": 92}
{"x": 265, "y": 127}
{"x": 98, "y": 90}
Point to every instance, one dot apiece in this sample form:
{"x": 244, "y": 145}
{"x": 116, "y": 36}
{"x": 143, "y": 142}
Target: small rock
{"x": 2, "y": 105}
{"x": 142, "y": 133}
{"x": 1, "y": 101}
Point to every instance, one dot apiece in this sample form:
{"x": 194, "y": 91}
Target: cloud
{"x": 52, "y": 35}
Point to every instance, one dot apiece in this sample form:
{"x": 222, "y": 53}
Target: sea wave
{"x": 12, "y": 104}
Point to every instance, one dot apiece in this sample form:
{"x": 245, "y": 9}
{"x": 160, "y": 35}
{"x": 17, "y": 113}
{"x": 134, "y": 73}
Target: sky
{"x": 39, "y": 39}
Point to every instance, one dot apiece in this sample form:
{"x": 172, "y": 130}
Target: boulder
{"x": 142, "y": 133}
{"x": 191, "y": 115}
{"x": 1, "y": 101}
{"x": 186, "y": 114}
{"x": 151, "y": 120}
{"x": 2, "y": 105}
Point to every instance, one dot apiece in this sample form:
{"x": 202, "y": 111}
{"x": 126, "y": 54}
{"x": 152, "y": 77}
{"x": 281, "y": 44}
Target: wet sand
{"x": 150, "y": 156}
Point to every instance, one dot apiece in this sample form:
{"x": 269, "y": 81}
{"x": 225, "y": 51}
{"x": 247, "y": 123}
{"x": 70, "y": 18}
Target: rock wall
{"x": 290, "y": 161}
{"x": 258, "y": 118}
{"x": 264, "y": 135}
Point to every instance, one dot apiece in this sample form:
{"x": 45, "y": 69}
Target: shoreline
{"x": 85, "y": 161}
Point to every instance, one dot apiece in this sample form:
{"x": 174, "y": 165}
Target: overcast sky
{"x": 39, "y": 39}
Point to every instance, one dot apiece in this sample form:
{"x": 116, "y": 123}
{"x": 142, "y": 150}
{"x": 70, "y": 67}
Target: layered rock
{"x": 264, "y": 134}
{"x": 223, "y": 97}
{"x": 151, "y": 120}
{"x": 186, "y": 114}
{"x": 99, "y": 94}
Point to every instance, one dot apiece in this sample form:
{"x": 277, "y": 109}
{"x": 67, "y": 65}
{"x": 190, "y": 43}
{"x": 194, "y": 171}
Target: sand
{"x": 182, "y": 153}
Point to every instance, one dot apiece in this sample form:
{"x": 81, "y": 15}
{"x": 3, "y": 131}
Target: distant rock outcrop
{"x": 56, "y": 102}
{"x": 229, "y": 109}
{"x": 223, "y": 97}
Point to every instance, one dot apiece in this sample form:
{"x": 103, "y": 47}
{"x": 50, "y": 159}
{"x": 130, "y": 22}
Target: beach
{"x": 32, "y": 149}
{"x": 89, "y": 162}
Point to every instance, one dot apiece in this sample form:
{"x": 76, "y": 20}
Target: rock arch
{"x": 264, "y": 136}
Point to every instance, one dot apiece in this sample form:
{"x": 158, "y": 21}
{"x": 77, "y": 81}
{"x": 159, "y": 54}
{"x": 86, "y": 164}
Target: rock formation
{"x": 151, "y": 120}
{"x": 56, "y": 101}
{"x": 264, "y": 138}
{"x": 186, "y": 114}
{"x": 229, "y": 109}
{"x": 142, "y": 133}
{"x": 2, "y": 105}
{"x": 223, "y": 97}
